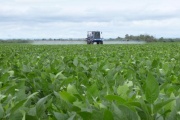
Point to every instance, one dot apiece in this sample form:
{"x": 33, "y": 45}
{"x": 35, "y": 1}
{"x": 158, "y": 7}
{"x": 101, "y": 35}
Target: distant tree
{"x": 148, "y": 38}
{"x": 127, "y": 37}
{"x": 161, "y": 39}
{"x": 119, "y": 38}
{"x": 141, "y": 37}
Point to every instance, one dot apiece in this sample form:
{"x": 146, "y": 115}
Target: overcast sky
{"x": 73, "y": 18}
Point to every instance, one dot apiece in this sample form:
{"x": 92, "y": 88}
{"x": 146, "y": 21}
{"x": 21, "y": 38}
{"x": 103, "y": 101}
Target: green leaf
{"x": 172, "y": 104}
{"x": 11, "y": 73}
{"x": 32, "y": 95}
{"x": 72, "y": 117}
{"x": 52, "y": 77}
{"x": 16, "y": 116}
{"x": 29, "y": 117}
{"x": 122, "y": 112}
{"x": 175, "y": 113}
{"x": 60, "y": 116}
{"x": 32, "y": 111}
{"x": 144, "y": 111}
{"x": 122, "y": 91}
{"x": 97, "y": 115}
{"x": 116, "y": 98}
{"x": 83, "y": 66}
{"x": 2, "y": 97}
{"x": 1, "y": 112}
{"x": 4, "y": 77}
{"x": 11, "y": 90}
{"x": 93, "y": 90}
{"x": 151, "y": 89}
{"x": 136, "y": 104}
{"x": 40, "y": 106}
{"x": 60, "y": 76}
{"x": 79, "y": 104}
{"x": 85, "y": 115}
{"x": 117, "y": 113}
{"x": 160, "y": 105}
{"x": 75, "y": 61}
{"x": 71, "y": 89}
{"x": 108, "y": 115}
{"x": 26, "y": 69}
{"x": 17, "y": 106}
{"x": 67, "y": 97}
{"x": 154, "y": 63}
{"x": 166, "y": 67}
{"x": 130, "y": 114}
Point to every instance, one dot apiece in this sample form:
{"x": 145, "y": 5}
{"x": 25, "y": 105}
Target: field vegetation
{"x": 90, "y": 82}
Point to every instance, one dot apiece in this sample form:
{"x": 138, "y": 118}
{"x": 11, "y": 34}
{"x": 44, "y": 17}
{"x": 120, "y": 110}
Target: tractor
{"x": 94, "y": 37}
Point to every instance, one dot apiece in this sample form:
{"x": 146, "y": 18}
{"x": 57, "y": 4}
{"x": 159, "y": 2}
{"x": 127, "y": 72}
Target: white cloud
{"x": 68, "y": 18}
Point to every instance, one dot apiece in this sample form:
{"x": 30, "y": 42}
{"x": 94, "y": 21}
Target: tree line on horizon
{"x": 147, "y": 38}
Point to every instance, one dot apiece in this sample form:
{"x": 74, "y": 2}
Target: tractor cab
{"x": 94, "y": 37}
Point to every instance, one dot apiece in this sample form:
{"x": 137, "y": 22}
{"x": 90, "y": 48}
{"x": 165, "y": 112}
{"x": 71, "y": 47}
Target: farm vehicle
{"x": 94, "y": 37}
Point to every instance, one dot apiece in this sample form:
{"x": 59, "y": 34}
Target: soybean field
{"x": 90, "y": 82}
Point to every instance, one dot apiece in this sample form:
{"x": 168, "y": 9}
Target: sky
{"x": 73, "y": 18}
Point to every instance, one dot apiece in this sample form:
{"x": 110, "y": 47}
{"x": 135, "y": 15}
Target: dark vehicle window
{"x": 97, "y": 35}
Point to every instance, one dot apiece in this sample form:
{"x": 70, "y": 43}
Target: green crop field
{"x": 90, "y": 82}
